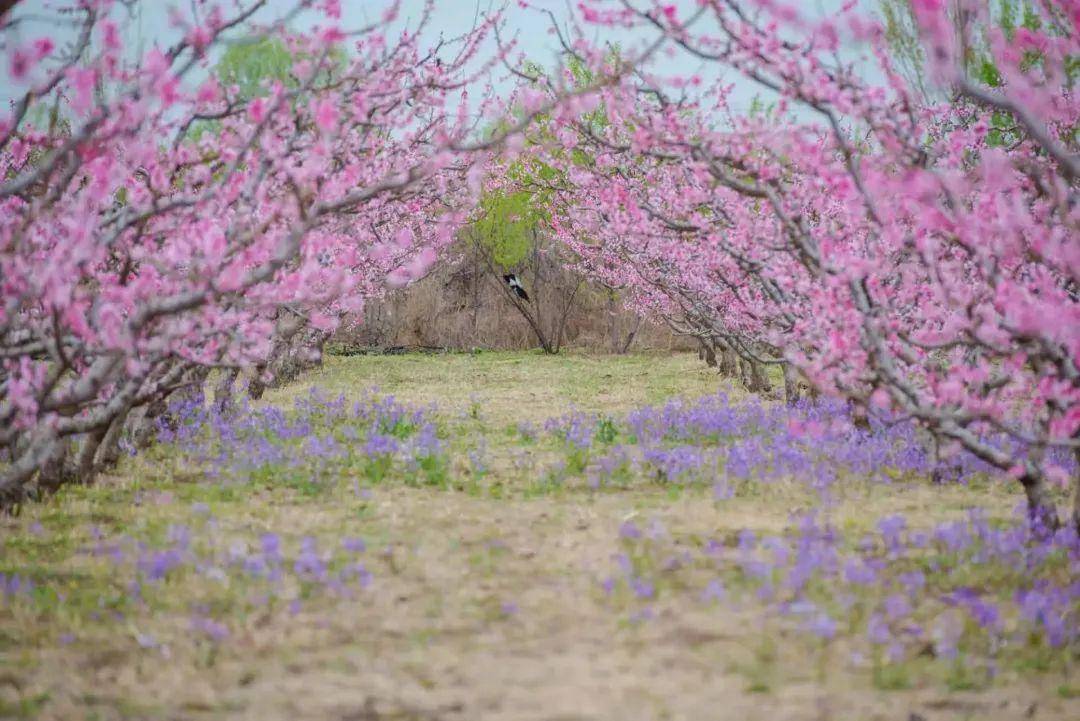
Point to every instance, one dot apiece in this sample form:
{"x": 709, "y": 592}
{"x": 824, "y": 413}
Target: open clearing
{"x": 486, "y": 585}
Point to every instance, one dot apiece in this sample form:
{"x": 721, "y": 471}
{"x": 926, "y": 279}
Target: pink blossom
{"x": 325, "y": 113}
{"x": 20, "y": 63}
{"x": 398, "y": 278}
{"x": 200, "y": 37}
{"x": 257, "y": 110}
{"x": 331, "y": 35}
{"x": 43, "y": 47}
{"x": 209, "y": 91}
{"x": 110, "y": 34}
{"x": 270, "y": 210}
{"x": 404, "y": 238}
{"x": 82, "y": 82}
{"x": 332, "y": 8}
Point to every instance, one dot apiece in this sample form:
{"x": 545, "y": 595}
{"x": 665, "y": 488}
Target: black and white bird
{"x": 515, "y": 285}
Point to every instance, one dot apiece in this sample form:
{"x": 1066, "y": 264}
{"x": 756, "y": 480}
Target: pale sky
{"x": 452, "y": 17}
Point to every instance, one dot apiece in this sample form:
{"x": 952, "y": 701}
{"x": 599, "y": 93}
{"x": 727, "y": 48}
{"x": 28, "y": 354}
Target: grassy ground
{"x": 485, "y": 597}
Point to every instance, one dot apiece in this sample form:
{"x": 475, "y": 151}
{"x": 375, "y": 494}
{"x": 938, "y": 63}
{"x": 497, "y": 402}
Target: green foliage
{"x": 902, "y": 34}
{"x": 583, "y": 78}
{"x": 1031, "y": 20}
{"x": 509, "y": 219}
{"x": 1007, "y": 18}
{"x": 507, "y": 225}
{"x": 433, "y": 470}
{"x": 987, "y": 73}
{"x": 908, "y": 55}
{"x": 250, "y": 66}
{"x": 1002, "y": 130}
{"x": 760, "y": 108}
{"x": 377, "y": 467}
{"x": 577, "y": 460}
{"x": 891, "y": 677}
{"x": 46, "y": 116}
{"x": 25, "y": 707}
{"x": 607, "y": 431}
{"x": 254, "y": 65}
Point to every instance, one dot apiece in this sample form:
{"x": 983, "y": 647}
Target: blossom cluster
{"x": 904, "y": 246}
{"x": 164, "y": 223}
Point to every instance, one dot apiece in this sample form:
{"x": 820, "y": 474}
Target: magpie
{"x": 515, "y": 285}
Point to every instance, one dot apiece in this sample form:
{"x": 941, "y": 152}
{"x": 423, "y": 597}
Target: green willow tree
{"x": 509, "y": 232}
{"x": 250, "y": 65}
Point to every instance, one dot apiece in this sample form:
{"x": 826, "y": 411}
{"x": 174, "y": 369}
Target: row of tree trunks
{"x": 295, "y": 352}
{"x": 1076, "y": 494}
{"x": 80, "y": 459}
{"x": 751, "y": 373}
{"x": 754, "y": 377}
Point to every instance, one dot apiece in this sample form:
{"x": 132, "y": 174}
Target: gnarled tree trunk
{"x": 1041, "y": 510}
{"x": 791, "y": 384}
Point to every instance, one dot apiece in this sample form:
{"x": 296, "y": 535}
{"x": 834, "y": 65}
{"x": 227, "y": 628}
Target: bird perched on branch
{"x": 515, "y": 285}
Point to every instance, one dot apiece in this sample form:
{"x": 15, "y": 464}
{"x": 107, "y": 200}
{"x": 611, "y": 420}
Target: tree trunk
{"x": 860, "y": 420}
{"x": 707, "y": 353}
{"x": 223, "y": 391}
{"x": 613, "y": 322}
{"x": 937, "y": 472}
{"x": 1076, "y": 499}
{"x": 791, "y": 385}
{"x": 1076, "y": 492}
{"x": 59, "y": 469}
{"x": 729, "y": 362}
{"x": 630, "y": 336}
{"x": 762, "y": 384}
{"x": 1041, "y": 511}
{"x": 41, "y": 449}
{"x": 144, "y": 427}
{"x": 474, "y": 281}
{"x": 564, "y": 315}
{"x": 109, "y": 451}
{"x": 744, "y": 374}
{"x": 85, "y": 468}
{"x": 257, "y": 386}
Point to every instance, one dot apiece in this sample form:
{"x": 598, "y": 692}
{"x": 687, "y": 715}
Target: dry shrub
{"x": 462, "y": 305}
